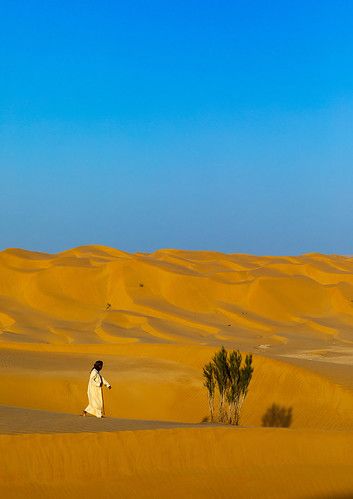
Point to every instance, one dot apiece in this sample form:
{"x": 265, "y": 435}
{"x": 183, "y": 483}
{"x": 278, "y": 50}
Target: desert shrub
{"x": 232, "y": 378}
{"x": 210, "y": 384}
{"x": 221, "y": 373}
{"x": 239, "y": 380}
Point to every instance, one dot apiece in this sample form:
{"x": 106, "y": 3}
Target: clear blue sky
{"x": 224, "y": 125}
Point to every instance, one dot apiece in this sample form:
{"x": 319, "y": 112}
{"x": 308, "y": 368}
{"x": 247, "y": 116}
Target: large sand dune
{"x": 155, "y": 320}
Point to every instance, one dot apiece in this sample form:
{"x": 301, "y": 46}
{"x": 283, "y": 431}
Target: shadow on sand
{"x": 278, "y": 416}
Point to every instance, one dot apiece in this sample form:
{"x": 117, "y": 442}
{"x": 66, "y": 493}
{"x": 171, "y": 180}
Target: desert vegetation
{"x": 230, "y": 377}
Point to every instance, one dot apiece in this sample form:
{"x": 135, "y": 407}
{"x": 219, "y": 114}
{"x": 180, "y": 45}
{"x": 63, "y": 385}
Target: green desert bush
{"x": 221, "y": 374}
{"x": 231, "y": 377}
{"x": 210, "y": 384}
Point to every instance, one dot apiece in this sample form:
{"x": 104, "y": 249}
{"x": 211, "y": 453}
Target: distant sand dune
{"x": 62, "y": 298}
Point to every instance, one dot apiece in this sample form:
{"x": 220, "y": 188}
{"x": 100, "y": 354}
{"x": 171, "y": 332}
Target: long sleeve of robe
{"x": 94, "y": 392}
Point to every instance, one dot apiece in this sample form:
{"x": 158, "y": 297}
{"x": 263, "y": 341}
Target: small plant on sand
{"x": 221, "y": 372}
{"x": 244, "y": 381}
{"x": 234, "y": 390}
{"x": 210, "y": 384}
{"x": 232, "y": 378}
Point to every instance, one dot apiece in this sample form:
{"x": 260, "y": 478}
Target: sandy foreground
{"x": 155, "y": 320}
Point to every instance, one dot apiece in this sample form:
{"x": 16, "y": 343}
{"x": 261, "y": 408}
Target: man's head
{"x": 98, "y": 365}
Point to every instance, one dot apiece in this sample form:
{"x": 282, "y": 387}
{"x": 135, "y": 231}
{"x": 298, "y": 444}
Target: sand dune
{"x": 155, "y": 320}
{"x": 174, "y": 296}
{"x": 207, "y": 462}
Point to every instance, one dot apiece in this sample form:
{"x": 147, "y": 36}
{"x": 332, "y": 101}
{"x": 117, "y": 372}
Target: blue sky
{"x": 201, "y": 125}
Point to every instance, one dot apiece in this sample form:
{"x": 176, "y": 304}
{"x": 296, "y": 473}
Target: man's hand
{"x": 109, "y": 387}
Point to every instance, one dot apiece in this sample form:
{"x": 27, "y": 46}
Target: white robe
{"x": 95, "y": 395}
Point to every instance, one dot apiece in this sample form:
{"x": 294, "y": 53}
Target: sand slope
{"x": 179, "y": 463}
{"x": 155, "y": 320}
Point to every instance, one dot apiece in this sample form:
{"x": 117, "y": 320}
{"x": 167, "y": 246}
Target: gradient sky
{"x": 223, "y": 125}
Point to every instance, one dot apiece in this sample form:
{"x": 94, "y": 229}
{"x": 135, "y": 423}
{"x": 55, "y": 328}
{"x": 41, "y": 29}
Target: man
{"x": 94, "y": 391}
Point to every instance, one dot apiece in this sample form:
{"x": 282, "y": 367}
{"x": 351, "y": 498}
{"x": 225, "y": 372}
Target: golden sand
{"x": 155, "y": 320}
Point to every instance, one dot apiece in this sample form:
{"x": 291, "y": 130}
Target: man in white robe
{"x": 94, "y": 391}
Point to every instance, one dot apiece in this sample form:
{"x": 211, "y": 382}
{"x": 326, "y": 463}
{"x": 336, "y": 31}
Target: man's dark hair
{"x": 98, "y": 365}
